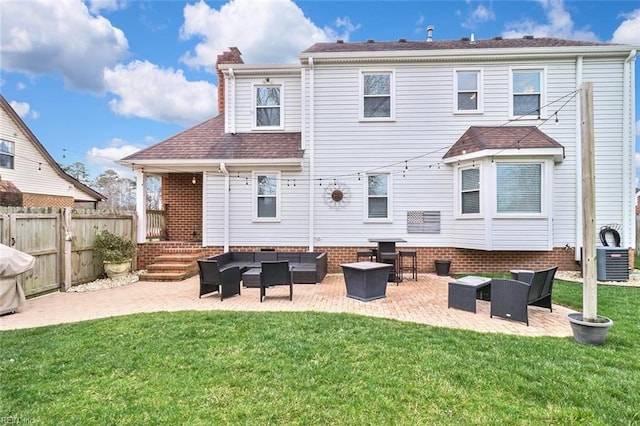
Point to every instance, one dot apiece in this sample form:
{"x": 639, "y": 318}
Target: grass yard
{"x": 212, "y": 368}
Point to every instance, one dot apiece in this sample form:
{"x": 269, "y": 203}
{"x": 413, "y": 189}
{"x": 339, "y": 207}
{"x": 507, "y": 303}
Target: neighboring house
{"x": 29, "y": 176}
{"x": 468, "y": 149}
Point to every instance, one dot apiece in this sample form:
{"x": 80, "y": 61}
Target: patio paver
{"x": 423, "y": 301}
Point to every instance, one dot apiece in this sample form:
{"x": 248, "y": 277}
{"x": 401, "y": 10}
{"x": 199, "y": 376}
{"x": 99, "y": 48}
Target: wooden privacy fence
{"x": 61, "y": 240}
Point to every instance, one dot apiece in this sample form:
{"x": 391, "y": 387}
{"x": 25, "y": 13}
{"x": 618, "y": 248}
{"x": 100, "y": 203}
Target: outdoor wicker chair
{"x": 275, "y": 273}
{"x": 211, "y": 279}
{"x": 510, "y": 298}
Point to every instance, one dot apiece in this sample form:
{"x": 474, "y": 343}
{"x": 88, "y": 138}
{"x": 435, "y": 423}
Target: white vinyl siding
{"x": 377, "y": 95}
{"x": 347, "y": 148}
{"x": 467, "y": 91}
{"x": 240, "y": 114}
{"x": 30, "y": 167}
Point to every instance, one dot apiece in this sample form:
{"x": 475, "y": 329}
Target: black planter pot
{"x": 442, "y": 267}
{"x": 589, "y": 332}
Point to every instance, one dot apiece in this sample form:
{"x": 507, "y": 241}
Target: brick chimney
{"x": 231, "y": 56}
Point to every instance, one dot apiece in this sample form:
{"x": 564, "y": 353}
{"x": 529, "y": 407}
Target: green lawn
{"x": 211, "y": 368}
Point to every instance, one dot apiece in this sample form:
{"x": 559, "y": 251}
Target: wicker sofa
{"x": 308, "y": 267}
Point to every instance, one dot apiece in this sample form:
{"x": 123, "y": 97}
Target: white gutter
{"x": 225, "y": 172}
{"x": 628, "y": 166}
{"x": 312, "y": 172}
{"x": 578, "y": 231}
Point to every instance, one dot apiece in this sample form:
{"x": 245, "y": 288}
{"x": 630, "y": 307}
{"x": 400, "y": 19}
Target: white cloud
{"x": 629, "y": 31}
{"x": 559, "y": 24}
{"x": 638, "y": 129}
{"x": 97, "y": 6}
{"x": 23, "y": 109}
{"x": 105, "y": 158}
{"x": 478, "y": 16}
{"x": 274, "y": 31}
{"x": 42, "y": 37}
{"x": 145, "y": 90}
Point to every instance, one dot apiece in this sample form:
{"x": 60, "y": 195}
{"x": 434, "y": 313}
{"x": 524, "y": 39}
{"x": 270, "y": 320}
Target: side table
{"x": 464, "y": 291}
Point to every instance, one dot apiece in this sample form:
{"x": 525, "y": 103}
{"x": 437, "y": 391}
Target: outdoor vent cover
{"x": 423, "y": 222}
{"x": 612, "y": 263}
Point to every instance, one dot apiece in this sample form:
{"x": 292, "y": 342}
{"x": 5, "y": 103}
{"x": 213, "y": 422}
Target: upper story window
{"x": 519, "y": 188}
{"x": 468, "y": 91}
{"x": 268, "y": 106}
{"x": 527, "y": 92}
{"x": 378, "y": 197}
{"x": 470, "y": 191}
{"x": 266, "y": 197}
{"x": 377, "y": 95}
{"x": 7, "y": 152}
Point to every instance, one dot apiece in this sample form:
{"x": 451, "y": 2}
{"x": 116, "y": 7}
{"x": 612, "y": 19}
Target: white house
{"x": 29, "y": 176}
{"x": 466, "y": 149}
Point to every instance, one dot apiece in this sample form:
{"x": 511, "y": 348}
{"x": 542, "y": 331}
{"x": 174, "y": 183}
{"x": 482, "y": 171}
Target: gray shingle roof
{"x": 495, "y": 43}
{"x": 208, "y": 140}
{"x": 478, "y": 138}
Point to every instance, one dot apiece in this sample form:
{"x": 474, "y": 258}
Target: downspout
{"x": 627, "y": 162}
{"x": 578, "y": 230}
{"x": 225, "y": 225}
{"x": 312, "y": 172}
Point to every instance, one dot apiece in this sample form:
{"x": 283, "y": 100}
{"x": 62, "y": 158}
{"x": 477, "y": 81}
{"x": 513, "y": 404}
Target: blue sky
{"x": 97, "y": 80}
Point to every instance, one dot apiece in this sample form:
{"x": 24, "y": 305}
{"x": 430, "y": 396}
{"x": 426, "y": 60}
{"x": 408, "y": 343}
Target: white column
{"x": 141, "y": 207}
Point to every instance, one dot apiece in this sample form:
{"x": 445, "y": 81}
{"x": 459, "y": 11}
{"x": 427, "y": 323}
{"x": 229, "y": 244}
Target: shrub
{"x": 114, "y": 248}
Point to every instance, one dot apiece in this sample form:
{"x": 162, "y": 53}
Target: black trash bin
{"x": 442, "y": 267}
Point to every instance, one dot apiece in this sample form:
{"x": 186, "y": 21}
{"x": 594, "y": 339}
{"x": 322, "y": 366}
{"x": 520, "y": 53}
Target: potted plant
{"x": 116, "y": 252}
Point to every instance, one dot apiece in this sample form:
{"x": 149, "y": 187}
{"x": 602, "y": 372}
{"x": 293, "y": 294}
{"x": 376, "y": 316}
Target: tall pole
{"x": 589, "y": 289}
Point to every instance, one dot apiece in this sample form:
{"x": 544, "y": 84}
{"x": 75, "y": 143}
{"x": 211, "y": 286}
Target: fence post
{"x": 67, "y": 238}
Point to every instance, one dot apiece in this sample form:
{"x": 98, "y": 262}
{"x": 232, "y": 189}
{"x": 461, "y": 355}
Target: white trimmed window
{"x": 518, "y": 188}
{"x": 377, "y": 92}
{"x": 7, "y": 154}
{"x": 470, "y": 191}
{"x": 467, "y": 91}
{"x": 378, "y": 197}
{"x": 266, "y": 189}
{"x": 268, "y": 103}
{"x": 527, "y": 92}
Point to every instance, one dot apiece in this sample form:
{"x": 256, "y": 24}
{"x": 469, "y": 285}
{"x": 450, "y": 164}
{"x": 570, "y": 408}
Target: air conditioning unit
{"x": 612, "y": 264}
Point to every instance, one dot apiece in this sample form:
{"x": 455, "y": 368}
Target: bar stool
{"x": 412, "y": 257}
{"x": 392, "y": 259}
{"x": 366, "y": 254}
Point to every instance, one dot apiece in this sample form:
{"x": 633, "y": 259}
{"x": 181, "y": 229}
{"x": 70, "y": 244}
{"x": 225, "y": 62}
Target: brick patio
{"x": 423, "y": 301}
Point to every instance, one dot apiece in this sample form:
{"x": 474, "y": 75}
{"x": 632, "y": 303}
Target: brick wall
{"x": 463, "y": 261}
{"x": 183, "y": 204}
{"x": 42, "y": 200}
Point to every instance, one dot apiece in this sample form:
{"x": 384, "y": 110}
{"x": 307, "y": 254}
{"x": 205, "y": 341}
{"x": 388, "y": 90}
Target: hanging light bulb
{"x": 193, "y": 181}
{"x": 557, "y": 117}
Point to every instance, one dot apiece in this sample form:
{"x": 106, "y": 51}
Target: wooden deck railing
{"x": 156, "y": 224}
